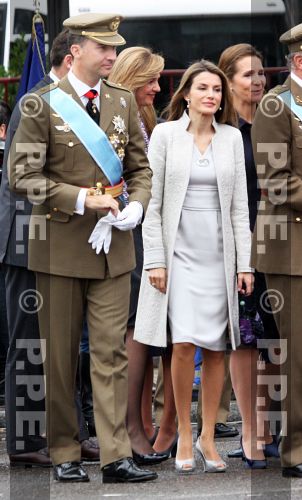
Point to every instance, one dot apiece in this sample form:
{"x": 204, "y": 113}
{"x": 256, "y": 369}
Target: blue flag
{"x": 34, "y": 68}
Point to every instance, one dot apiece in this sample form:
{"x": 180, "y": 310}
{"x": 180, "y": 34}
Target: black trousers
{"x": 24, "y": 383}
{"x": 3, "y": 334}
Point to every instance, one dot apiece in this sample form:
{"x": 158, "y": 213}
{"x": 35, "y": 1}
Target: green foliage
{"x": 16, "y": 61}
{"x": 17, "y": 56}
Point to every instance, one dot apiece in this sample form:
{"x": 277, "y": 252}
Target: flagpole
{"x": 37, "y": 6}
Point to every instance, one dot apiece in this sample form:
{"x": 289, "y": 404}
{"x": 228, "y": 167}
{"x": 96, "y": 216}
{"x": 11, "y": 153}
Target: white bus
{"x": 186, "y": 30}
{"x": 15, "y": 19}
{"x": 182, "y": 30}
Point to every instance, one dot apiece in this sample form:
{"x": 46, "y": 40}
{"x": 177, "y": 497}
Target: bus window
{"x": 23, "y": 21}
{"x": 183, "y": 40}
{"x": 3, "y": 15}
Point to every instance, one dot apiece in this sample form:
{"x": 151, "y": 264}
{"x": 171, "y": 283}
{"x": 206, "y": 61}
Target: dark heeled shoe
{"x": 250, "y": 463}
{"x": 148, "y": 458}
{"x": 153, "y": 438}
{"x": 271, "y": 449}
{"x": 172, "y": 450}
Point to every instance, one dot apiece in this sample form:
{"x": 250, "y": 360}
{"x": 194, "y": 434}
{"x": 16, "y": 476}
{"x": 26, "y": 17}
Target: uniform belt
{"x": 116, "y": 190}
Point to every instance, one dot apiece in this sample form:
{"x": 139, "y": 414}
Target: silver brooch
{"x": 63, "y": 128}
{"x": 123, "y": 102}
{"x": 203, "y": 162}
{"x": 119, "y": 124}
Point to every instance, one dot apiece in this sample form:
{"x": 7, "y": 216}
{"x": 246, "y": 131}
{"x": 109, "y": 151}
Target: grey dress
{"x": 197, "y": 306}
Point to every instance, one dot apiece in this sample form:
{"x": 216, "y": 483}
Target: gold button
{"x": 70, "y": 144}
{"x": 298, "y": 219}
{"x": 48, "y": 216}
{"x": 55, "y": 209}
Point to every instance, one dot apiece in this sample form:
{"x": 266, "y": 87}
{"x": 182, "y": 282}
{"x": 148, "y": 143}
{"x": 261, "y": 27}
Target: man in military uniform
{"x": 277, "y": 243}
{"x": 76, "y": 151}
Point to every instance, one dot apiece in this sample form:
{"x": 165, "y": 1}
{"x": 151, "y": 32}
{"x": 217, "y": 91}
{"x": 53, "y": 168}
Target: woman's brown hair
{"x": 178, "y": 103}
{"x": 134, "y": 68}
{"x": 230, "y": 56}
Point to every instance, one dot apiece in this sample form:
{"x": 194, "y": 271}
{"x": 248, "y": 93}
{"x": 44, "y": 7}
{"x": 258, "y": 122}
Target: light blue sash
{"x": 90, "y": 134}
{"x": 288, "y": 99}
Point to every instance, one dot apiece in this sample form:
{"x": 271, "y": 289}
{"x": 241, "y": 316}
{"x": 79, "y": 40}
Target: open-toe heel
{"x": 186, "y": 466}
{"x": 210, "y": 465}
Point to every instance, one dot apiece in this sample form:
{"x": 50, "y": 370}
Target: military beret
{"x": 293, "y": 38}
{"x": 102, "y": 28}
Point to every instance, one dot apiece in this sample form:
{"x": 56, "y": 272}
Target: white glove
{"x": 101, "y": 235}
{"x": 129, "y": 217}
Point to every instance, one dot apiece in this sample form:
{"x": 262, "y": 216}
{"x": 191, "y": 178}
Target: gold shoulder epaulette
{"x": 278, "y": 89}
{"x": 47, "y": 88}
{"x": 115, "y": 85}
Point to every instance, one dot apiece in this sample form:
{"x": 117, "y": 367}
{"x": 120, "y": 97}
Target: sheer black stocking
{"x": 137, "y": 360}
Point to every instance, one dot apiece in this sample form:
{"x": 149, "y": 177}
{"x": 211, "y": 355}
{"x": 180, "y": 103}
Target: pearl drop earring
{"x": 188, "y": 103}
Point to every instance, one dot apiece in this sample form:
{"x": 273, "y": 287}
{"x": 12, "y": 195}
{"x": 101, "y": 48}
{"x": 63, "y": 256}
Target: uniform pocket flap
{"x": 68, "y": 141}
{"x": 51, "y": 214}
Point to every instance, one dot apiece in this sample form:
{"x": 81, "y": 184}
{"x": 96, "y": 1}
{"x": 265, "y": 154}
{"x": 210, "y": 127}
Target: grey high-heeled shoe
{"x": 185, "y": 466}
{"x": 210, "y": 465}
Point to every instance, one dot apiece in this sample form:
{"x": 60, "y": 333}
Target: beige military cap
{"x": 293, "y": 38}
{"x": 102, "y": 28}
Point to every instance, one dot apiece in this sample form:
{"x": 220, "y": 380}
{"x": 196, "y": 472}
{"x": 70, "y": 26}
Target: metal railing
{"x": 170, "y": 74}
{"x": 6, "y": 82}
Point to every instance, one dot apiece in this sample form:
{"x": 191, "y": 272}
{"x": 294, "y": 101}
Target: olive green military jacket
{"x": 277, "y": 145}
{"x": 49, "y": 165}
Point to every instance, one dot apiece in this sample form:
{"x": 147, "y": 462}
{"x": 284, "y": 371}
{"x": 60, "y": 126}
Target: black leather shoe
{"x": 126, "y": 471}
{"x": 90, "y": 451}
{"x": 149, "y": 458}
{"x": 295, "y": 471}
{"x": 38, "y": 458}
{"x": 225, "y": 430}
{"x": 70, "y": 472}
{"x": 235, "y": 453}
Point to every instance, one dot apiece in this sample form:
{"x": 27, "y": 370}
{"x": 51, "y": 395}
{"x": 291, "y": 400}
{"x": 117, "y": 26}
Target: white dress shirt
{"x": 54, "y": 77}
{"x": 296, "y": 78}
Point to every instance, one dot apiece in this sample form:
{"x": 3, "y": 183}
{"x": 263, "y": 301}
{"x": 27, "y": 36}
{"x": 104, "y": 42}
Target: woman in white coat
{"x": 196, "y": 247}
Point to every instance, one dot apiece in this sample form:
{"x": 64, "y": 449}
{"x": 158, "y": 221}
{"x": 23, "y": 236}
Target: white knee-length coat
{"x": 170, "y": 156}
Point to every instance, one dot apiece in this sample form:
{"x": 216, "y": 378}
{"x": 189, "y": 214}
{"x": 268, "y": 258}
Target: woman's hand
{"x": 158, "y": 278}
{"x": 245, "y": 283}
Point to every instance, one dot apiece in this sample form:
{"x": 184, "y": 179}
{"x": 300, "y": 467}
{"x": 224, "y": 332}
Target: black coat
{"x": 15, "y": 210}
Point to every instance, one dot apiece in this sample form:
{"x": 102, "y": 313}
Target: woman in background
{"x": 196, "y": 247}
{"x": 138, "y": 69}
{"x": 242, "y": 64}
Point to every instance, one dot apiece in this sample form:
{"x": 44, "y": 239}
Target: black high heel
{"x": 250, "y": 463}
{"x": 172, "y": 450}
{"x": 271, "y": 449}
{"x": 153, "y": 438}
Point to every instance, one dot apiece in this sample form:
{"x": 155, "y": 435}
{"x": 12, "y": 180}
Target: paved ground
{"x": 236, "y": 484}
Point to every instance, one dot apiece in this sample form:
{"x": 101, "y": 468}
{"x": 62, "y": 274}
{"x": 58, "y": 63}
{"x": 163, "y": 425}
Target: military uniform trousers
{"x": 289, "y": 324}
{"x": 106, "y": 302}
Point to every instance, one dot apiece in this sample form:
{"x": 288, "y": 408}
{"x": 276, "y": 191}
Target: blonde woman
{"x": 138, "y": 69}
{"x": 197, "y": 247}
